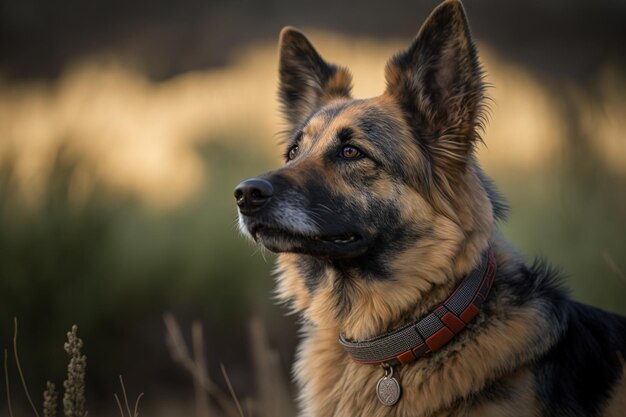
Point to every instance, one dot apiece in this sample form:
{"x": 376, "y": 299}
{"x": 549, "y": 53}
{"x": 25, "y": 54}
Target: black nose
{"x": 252, "y": 194}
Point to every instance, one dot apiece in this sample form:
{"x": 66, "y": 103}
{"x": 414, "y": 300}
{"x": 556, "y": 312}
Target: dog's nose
{"x": 252, "y": 194}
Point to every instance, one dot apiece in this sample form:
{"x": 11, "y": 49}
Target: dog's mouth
{"x": 338, "y": 245}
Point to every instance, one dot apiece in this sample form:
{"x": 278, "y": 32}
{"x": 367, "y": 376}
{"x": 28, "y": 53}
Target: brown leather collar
{"x": 433, "y": 331}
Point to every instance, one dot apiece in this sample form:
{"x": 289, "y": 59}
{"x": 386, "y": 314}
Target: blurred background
{"x": 125, "y": 125}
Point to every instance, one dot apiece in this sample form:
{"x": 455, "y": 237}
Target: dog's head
{"x": 373, "y": 188}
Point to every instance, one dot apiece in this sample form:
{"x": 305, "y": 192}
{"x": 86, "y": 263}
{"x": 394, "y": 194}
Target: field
{"x": 116, "y": 208}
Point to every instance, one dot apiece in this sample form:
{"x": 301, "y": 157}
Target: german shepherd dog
{"x": 412, "y": 301}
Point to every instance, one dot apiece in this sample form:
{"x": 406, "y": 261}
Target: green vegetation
{"x": 113, "y": 265}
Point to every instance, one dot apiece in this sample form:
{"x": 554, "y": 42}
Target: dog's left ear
{"x": 438, "y": 82}
{"x": 306, "y": 80}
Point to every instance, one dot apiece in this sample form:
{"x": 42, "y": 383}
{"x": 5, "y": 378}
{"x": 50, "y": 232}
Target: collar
{"x": 433, "y": 331}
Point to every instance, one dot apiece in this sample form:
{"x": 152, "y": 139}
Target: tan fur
{"x": 337, "y": 85}
{"x": 487, "y": 351}
{"x": 290, "y": 287}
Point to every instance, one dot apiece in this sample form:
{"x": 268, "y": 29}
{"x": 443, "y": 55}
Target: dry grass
{"x": 20, "y": 372}
{"x": 135, "y": 412}
{"x": 273, "y": 397}
{"x": 74, "y": 386}
{"x": 74, "y": 403}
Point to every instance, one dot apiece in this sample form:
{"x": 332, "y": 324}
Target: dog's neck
{"x": 432, "y": 331}
{"x": 418, "y": 293}
{"x": 362, "y": 307}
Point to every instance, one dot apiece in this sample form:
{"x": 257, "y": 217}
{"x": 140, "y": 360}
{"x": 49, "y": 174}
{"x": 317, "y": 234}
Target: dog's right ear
{"x": 306, "y": 80}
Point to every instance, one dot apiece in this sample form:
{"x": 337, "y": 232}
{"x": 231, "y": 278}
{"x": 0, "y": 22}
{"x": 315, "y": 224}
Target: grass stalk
{"x": 19, "y": 369}
{"x": 6, "y": 380}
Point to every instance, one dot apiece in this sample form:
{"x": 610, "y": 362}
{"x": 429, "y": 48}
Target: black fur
{"x": 312, "y": 270}
{"x": 499, "y": 204}
{"x": 577, "y": 375}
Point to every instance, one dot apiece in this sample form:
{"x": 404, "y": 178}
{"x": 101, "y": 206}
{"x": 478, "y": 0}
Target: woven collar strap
{"x": 428, "y": 334}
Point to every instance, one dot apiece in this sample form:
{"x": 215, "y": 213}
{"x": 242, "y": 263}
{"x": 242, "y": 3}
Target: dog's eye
{"x": 293, "y": 152}
{"x": 350, "y": 152}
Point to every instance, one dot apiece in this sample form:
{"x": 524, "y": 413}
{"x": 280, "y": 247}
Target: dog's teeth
{"x": 347, "y": 240}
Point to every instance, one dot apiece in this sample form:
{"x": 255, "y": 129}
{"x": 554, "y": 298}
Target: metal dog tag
{"x": 388, "y": 388}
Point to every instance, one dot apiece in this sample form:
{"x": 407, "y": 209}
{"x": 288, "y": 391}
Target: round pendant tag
{"x": 388, "y": 390}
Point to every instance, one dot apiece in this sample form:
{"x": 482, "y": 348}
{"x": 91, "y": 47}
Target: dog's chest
{"x": 332, "y": 385}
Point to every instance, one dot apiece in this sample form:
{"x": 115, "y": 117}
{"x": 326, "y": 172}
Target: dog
{"x": 412, "y": 301}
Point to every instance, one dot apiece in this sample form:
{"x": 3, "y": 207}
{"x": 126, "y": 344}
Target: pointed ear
{"x": 438, "y": 82}
{"x": 306, "y": 80}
